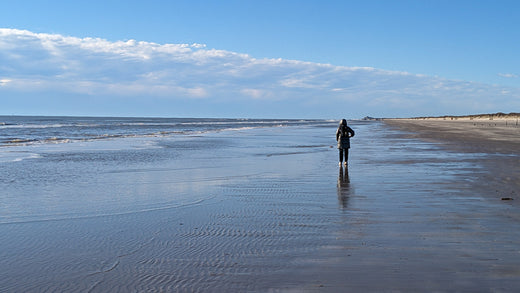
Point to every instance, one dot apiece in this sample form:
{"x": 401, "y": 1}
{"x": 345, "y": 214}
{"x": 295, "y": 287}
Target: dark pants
{"x": 341, "y": 151}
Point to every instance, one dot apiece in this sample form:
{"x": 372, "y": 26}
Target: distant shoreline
{"x": 493, "y": 116}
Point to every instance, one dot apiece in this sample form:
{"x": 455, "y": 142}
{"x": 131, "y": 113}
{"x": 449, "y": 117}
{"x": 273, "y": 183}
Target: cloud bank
{"x": 144, "y": 78}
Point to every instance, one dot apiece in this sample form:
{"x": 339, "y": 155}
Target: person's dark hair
{"x": 343, "y": 127}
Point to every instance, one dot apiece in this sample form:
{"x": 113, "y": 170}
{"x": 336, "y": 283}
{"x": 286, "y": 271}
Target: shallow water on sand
{"x": 249, "y": 210}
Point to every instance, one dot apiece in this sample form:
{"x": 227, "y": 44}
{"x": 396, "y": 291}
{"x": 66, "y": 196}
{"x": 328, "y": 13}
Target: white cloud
{"x": 256, "y": 93}
{"x": 508, "y": 75}
{"x": 35, "y": 62}
{"x": 4, "y": 82}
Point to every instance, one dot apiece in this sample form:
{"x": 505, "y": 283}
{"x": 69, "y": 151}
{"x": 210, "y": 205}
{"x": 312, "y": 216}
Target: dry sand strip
{"x": 498, "y": 139}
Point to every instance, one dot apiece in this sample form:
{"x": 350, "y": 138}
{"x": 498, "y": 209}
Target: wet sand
{"x": 498, "y": 141}
{"x": 449, "y": 223}
{"x": 266, "y": 210}
{"x": 470, "y": 135}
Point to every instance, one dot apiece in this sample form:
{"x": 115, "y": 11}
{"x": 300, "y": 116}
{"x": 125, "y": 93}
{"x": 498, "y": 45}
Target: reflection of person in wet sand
{"x": 343, "y": 187}
{"x": 343, "y": 135}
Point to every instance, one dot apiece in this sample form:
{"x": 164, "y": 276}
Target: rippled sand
{"x": 260, "y": 210}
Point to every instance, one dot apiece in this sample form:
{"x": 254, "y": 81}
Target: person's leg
{"x": 346, "y": 155}
{"x": 340, "y": 155}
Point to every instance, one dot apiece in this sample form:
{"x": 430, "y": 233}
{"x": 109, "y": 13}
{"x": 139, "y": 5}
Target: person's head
{"x": 343, "y": 122}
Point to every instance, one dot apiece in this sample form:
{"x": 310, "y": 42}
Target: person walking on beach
{"x": 343, "y": 135}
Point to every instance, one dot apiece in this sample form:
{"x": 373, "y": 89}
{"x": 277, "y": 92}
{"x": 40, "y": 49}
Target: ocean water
{"x": 29, "y": 130}
{"x": 47, "y": 162}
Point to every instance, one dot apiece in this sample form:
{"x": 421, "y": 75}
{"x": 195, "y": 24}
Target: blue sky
{"x": 294, "y": 59}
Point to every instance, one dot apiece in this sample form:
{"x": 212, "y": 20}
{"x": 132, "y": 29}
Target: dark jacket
{"x": 343, "y": 135}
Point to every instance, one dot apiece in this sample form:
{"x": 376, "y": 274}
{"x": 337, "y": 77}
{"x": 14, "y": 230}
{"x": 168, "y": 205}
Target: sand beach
{"x": 418, "y": 209}
{"x": 496, "y": 138}
{"x": 490, "y": 133}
